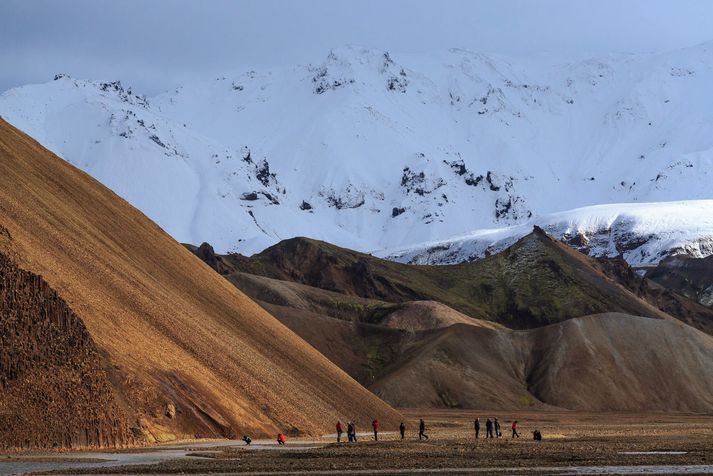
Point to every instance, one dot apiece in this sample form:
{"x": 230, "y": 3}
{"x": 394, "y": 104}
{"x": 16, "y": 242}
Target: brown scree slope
{"x": 173, "y": 333}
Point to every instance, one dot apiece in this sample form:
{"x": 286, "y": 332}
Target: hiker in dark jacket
{"x": 402, "y": 430}
{"x": 351, "y": 432}
{"x": 488, "y": 428}
{"x": 340, "y": 430}
{"x": 498, "y": 433}
{"x": 476, "y": 426}
{"x": 515, "y": 434}
{"x": 247, "y": 439}
{"x": 422, "y": 430}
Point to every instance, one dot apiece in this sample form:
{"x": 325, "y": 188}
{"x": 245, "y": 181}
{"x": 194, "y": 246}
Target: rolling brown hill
{"x": 360, "y": 335}
{"x": 424, "y": 353}
{"x": 608, "y": 362}
{"x": 359, "y": 311}
{"x": 163, "y": 347}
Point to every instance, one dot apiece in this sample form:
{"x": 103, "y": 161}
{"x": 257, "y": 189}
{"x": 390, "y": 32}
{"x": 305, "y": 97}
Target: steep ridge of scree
{"x": 54, "y": 391}
{"x": 609, "y": 362}
{"x": 190, "y": 355}
{"x": 536, "y": 281}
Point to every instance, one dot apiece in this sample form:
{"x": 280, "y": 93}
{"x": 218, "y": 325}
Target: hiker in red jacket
{"x": 375, "y": 426}
{"x": 515, "y": 434}
{"x": 280, "y": 439}
{"x": 339, "y": 431}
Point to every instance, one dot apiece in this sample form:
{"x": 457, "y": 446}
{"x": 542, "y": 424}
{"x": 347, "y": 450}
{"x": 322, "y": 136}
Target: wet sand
{"x": 573, "y": 443}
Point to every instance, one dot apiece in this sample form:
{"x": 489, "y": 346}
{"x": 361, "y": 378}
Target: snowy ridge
{"x": 372, "y": 150}
{"x": 643, "y": 233}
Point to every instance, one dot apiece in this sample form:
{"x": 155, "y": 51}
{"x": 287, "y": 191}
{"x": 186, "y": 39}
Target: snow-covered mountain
{"x": 643, "y": 233}
{"x": 370, "y": 150}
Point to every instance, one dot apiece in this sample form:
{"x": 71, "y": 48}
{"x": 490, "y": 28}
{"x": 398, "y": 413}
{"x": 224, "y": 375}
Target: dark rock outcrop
{"x": 54, "y": 391}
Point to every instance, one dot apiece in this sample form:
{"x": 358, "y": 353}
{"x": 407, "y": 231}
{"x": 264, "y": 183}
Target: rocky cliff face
{"x": 54, "y": 391}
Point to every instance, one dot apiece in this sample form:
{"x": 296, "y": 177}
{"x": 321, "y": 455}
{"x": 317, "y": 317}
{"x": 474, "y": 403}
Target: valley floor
{"x": 573, "y": 443}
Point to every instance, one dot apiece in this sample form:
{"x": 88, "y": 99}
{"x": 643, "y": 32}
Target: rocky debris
{"x": 396, "y": 211}
{"x": 351, "y": 197}
{"x": 325, "y": 79}
{"x": 246, "y": 155}
{"x": 249, "y": 196}
{"x": 511, "y": 208}
{"x": 124, "y": 95}
{"x": 170, "y": 410}
{"x": 469, "y": 177}
{"x": 263, "y": 173}
{"x": 206, "y": 253}
{"x": 54, "y": 391}
{"x": 419, "y": 183}
{"x": 395, "y": 81}
{"x": 157, "y": 141}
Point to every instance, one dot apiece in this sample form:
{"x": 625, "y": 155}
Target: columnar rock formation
{"x": 55, "y": 391}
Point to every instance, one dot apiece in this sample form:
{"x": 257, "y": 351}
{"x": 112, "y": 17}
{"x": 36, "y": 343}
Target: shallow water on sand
{"x": 151, "y": 455}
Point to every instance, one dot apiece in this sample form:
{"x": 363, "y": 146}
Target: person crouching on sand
{"x": 280, "y": 439}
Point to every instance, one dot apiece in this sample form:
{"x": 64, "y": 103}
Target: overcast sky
{"x": 154, "y": 45}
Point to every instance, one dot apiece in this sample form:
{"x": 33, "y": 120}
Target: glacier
{"x": 372, "y": 150}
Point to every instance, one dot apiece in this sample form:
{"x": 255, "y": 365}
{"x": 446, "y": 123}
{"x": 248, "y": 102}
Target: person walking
{"x": 515, "y": 434}
{"x": 498, "y": 433}
{"x": 476, "y": 426}
{"x": 351, "y": 432}
{"x": 280, "y": 439}
{"x": 488, "y": 428}
{"x": 375, "y": 427}
{"x": 422, "y": 430}
{"x": 340, "y": 430}
{"x": 247, "y": 440}
{"x": 402, "y": 430}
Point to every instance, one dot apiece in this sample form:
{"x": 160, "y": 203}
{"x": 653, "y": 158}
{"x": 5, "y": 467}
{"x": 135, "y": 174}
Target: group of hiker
{"x": 492, "y": 430}
{"x": 351, "y": 430}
